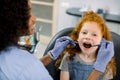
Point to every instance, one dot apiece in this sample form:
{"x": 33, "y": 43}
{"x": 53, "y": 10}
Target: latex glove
{"x": 105, "y": 54}
{"x": 60, "y": 45}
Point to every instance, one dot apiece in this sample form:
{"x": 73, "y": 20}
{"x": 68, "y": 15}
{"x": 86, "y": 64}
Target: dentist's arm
{"x": 46, "y": 60}
{"x": 94, "y": 75}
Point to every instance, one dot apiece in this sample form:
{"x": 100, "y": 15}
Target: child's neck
{"x": 87, "y": 57}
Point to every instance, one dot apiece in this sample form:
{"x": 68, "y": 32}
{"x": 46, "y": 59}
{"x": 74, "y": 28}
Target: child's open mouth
{"x": 87, "y": 45}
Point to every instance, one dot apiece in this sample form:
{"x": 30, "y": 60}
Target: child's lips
{"x": 88, "y": 45}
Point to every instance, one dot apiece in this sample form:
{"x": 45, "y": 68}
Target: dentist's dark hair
{"x": 14, "y": 18}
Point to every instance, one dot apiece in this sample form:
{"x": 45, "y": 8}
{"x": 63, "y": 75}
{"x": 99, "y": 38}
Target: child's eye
{"x": 94, "y": 34}
{"x": 84, "y": 32}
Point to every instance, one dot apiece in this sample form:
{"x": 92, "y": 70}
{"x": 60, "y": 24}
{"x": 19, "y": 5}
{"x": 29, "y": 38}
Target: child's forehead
{"x": 91, "y": 26}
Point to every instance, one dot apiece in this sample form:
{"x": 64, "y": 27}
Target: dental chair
{"x": 55, "y": 73}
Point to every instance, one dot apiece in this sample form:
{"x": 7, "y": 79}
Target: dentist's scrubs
{"x": 17, "y": 64}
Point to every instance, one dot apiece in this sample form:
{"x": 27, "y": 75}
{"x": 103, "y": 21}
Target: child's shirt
{"x": 80, "y": 70}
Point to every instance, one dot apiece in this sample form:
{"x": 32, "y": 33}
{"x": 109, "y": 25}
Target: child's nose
{"x": 88, "y": 36}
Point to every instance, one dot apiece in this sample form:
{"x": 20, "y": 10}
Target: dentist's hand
{"x": 105, "y": 54}
{"x": 60, "y": 45}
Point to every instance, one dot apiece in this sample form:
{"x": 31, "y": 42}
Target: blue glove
{"x": 105, "y": 54}
{"x": 60, "y": 45}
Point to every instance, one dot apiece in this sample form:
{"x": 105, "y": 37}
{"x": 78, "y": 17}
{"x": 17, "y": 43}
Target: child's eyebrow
{"x": 84, "y": 30}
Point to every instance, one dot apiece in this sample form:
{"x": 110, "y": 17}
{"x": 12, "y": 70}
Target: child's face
{"x": 90, "y": 34}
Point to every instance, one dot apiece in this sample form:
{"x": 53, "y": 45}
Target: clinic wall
{"x": 65, "y": 20}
